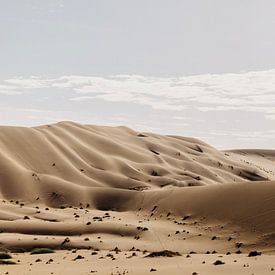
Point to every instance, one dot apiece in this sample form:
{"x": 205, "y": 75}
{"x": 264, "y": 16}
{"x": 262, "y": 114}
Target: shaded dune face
{"x": 61, "y": 164}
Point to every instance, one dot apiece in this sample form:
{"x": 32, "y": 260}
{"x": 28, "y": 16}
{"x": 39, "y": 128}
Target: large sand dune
{"x": 72, "y": 186}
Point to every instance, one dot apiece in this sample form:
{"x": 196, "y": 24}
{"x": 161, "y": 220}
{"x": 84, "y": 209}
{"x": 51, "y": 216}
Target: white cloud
{"x": 82, "y": 98}
{"x": 8, "y": 90}
{"x": 26, "y": 83}
{"x": 250, "y": 91}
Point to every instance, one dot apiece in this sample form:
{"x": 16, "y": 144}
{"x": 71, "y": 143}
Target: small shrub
{"x": 186, "y": 217}
{"x": 164, "y": 253}
{"x": 218, "y": 262}
{"x": 254, "y": 253}
{"x": 42, "y": 251}
{"x": 78, "y": 257}
{"x": 4, "y": 255}
{"x": 238, "y": 245}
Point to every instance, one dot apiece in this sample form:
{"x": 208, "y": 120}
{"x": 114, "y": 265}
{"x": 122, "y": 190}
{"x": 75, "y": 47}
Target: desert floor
{"x": 104, "y": 198}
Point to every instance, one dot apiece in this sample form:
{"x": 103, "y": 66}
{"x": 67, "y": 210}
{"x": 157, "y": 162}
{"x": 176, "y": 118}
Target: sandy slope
{"x": 70, "y": 186}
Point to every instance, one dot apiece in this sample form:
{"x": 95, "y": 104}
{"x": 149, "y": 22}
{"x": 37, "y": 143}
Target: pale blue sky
{"x": 147, "y": 37}
{"x": 202, "y": 68}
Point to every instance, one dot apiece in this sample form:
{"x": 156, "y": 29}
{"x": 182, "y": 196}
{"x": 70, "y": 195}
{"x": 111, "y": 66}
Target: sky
{"x": 201, "y": 68}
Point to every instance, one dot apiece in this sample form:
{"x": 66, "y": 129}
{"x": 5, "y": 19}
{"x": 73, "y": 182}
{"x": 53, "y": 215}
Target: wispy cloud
{"x": 250, "y": 91}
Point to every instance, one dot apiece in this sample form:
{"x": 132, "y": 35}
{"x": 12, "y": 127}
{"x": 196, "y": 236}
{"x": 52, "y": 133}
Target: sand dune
{"x": 71, "y": 186}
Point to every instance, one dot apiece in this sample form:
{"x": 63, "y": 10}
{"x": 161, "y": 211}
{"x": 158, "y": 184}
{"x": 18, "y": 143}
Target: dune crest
{"x": 52, "y": 161}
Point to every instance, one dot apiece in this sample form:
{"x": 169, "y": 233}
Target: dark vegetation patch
{"x": 42, "y": 251}
{"x": 6, "y": 262}
{"x": 139, "y": 188}
{"x": 254, "y": 253}
{"x": 154, "y": 173}
{"x": 163, "y": 253}
{"x": 218, "y": 262}
{"x": 238, "y": 245}
{"x": 198, "y": 149}
{"x": 4, "y": 256}
{"x": 78, "y": 257}
{"x": 186, "y": 217}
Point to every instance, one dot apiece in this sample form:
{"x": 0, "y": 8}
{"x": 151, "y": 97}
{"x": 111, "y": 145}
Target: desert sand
{"x": 104, "y": 198}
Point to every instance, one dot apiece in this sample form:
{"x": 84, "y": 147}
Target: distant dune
{"x": 72, "y": 186}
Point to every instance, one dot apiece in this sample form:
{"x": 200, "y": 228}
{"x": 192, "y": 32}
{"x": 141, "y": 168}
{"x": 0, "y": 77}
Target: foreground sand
{"x": 113, "y": 195}
{"x": 64, "y": 263}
